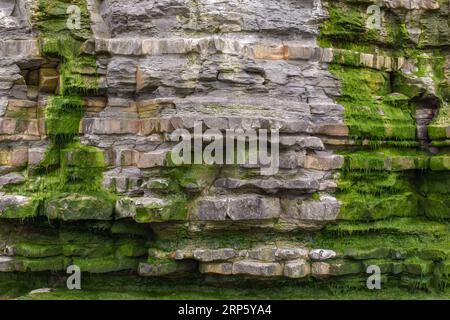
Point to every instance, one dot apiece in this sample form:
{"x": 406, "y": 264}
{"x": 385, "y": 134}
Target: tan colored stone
{"x": 327, "y": 55}
{"x": 48, "y": 80}
{"x": 297, "y": 269}
{"x": 32, "y": 128}
{"x": 19, "y": 157}
{"x": 340, "y": 130}
{"x": 94, "y": 104}
{"x": 33, "y": 78}
{"x": 164, "y": 46}
{"x": 36, "y": 155}
{"x": 271, "y": 53}
{"x": 366, "y": 59}
{"x": 257, "y": 268}
{"x": 110, "y": 126}
{"x": 153, "y": 159}
{"x": 324, "y": 161}
{"x": 8, "y": 126}
{"x": 320, "y": 269}
{"x": 128, "y": 157}
{"x": 18, "y": 103}
{"x": 300, "y": 52}
{"x": 149, "y": 126}
{"x": 128, "y": 46}
{"x": 224, "y": 268}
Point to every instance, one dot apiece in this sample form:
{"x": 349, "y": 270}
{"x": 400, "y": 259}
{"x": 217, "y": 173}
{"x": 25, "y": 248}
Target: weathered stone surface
{"x": 121, "y": 75}
{"x": 48, "y": 80}
{"x": 323, "y": 161}
{"x": 19, "y": 157}
{"x": 245, "y": 207}
{"x": 414, "y": 4}
{"x": 222, "y": 268}
{"x": 289, "y": 253}
{"x": 40, "y": 291}
{"x": 320, "y": 269}
{"x": 148, "y": 207}
{"x": 7, "y": 264}
{"x": 36, "y": 155}
{"x": 263, "y": 253}
{"x": 297, "y": 269}
{"x": 11, "y": 178}
{"x": 335, "y": 268}
{"x": 322, "y": 254}
{"x": 306, "y": 181}
{"x": 208, "y": 255}
{"x": 256, "y": 268}
{"x": 79, "y": 207}
{"x": 326, "y": 209}
{"x": 164, "y": 268}
{"x": 125, "y": 208}
{"x": 152, "y": 159}
{"x": 17, "y": 206}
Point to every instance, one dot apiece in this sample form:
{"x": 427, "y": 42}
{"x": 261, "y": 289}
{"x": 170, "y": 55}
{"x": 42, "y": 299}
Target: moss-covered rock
{"x": 69, "y": 207}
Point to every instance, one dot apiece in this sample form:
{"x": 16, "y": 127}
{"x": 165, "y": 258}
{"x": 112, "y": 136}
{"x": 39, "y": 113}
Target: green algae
{"x": 100, "y": 286}
{"x": 394, "y": 207}
{"x": 105, "y": 264}
{"x": 70, "y": 172}
{"x": 367, "y": 116}
{"x": 63, "y": 115}
{"x": 345, "y": 24}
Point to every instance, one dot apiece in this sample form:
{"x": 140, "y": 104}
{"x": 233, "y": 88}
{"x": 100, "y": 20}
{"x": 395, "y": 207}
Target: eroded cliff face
{"x": 87, "y": 177}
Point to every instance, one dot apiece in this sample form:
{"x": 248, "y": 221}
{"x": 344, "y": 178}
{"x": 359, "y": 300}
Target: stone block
{"x": 257, "y": 268}
{"x": 297, "y": 269}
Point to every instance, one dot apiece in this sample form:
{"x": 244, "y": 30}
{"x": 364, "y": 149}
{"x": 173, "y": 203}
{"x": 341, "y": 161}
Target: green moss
{"x": 401, "y": 85}
{"x": 365, "y": 207}
{"x": 417, "y": 266}
{"x": 69, "y": 166}
{"x": 63, "y": 116}
{"x": 78, "y": 76}
{"x": 174, "y": 209}
{"x": 346, "y": 24}
{"x": 33, "y": 250}
{"x": 440, "y": 163}
{"x": 397, "y": 33}
{"x": 366, "y": 115}
{"x": 388, "y": 159}
{"x": 74, "y": 206}
{"x": 361, "y": 84}
{"x": 42, "y": 264}
{"x": 346, "y": 57}
{"x": 88, "y": 249}
{"x": 26, "y": 211}
{"x": 434, "y": 183}
{"x": 130, "y": 248}
{"x": 105, "y": 264}
{"x": 130, "y": 228}
{"x": 436, "y": 207}
{"x": 386, "y": 266}
{"x": 51, "y": 19}
{"x": 435, "y": 30}
{"x": 403, "y": 227}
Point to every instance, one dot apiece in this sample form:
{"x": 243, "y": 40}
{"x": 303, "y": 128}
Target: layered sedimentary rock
{"x": 361, "y": 109}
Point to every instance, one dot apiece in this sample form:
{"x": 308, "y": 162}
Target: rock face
{"x": 356, "y": 114}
